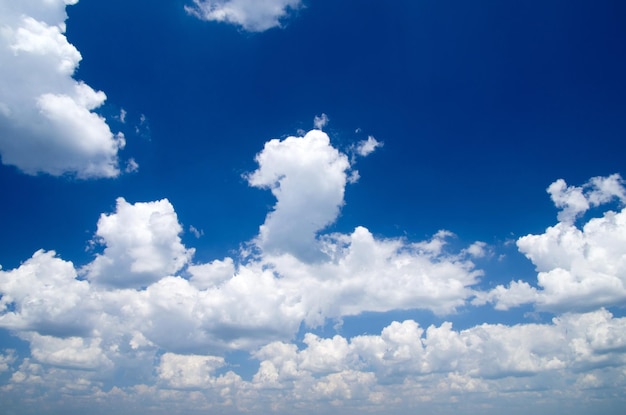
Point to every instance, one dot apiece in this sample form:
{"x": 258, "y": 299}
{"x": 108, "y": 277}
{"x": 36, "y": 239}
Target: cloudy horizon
{"x": 278, "y": 207}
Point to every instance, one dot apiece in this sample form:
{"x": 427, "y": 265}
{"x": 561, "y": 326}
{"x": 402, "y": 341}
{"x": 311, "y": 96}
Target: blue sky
{"x": 312, "y": 206}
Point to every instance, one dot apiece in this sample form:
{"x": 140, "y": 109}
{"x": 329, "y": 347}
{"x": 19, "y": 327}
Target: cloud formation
{"x": 47, "y": 123}
{"x": 579, "y": 269}
{"x": 142, "y": 244}
{"x": 251, "y": 15}
{"x": 144, "y": 309}
{"x": 308, "y": 177}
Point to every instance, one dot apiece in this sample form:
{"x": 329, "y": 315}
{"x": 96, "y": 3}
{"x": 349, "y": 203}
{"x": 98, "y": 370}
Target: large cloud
{"x": 226, "y": 304}
{"x": 142, "y": 311}
{"x": 252, "y": 15}
{"x": 46, "y": 119}
{"x": 578, "y": 268}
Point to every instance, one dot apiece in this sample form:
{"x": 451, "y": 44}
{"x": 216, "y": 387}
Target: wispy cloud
{"x": 251, "y": 15}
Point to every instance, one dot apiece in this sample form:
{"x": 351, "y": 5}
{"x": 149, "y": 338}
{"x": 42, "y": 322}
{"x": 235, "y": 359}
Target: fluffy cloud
{"x": 366, "y": 147}
{"x": 46, "y": 119}
{"x": 576, "y": 200}
{"x": 578, "y": 268}
{"x": 227, "y": 305}
{"x": 43, "y": 295}
{"x": 142, "y": 245}
{"x": 251, "y": 15}
{"x": 143, "y": 311}
{"x": 188, "y": 371}
{"x": 440, "y": 362}
{"x": 308, "y": 178}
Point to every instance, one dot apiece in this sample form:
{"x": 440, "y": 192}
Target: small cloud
{"x": 574, "y": 201}
{"x": 253, "y": 16}
{"x": 478, "y": 249}
{"x": 354, "y": 177}
{"x": 366, "y": 147}
{"x": 131, "y": 166}
{"x": 143, "y": 128}
{"x": 123, "y": 115}
{"x": 320, "y": 121}
{"x": 197, "y": 233}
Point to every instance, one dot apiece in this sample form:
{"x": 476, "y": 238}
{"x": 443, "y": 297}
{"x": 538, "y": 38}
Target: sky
{"x": 312, "y": 206}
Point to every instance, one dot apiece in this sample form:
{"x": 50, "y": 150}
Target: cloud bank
{"x": 144, "y": 309}
{"x": 47, "y": 123}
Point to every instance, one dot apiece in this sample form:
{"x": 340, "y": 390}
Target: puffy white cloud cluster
{"x": 570, "y": 343}
{"x": 142, "y": 245}
{"x": 576, "y": 200}
{"x": 226, "y": 304}
{"x": 142, "y": 310}
{"x": 578, "y": 269}
{"x": 47, "y": 123}
{"x": 251, "y": 15}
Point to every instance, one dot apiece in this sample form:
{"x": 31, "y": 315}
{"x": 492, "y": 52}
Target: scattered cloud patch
{"x": 579, "y": 269}
{"x": 195, "y": 232}
{"x": 366, "y": 147}
{"x": 576, "y": 200}
{"x": 308, "y": 178}
{"x": 320, "y": 121}
{"x": 47, "y": 123}
{"x": 251, "y": 15}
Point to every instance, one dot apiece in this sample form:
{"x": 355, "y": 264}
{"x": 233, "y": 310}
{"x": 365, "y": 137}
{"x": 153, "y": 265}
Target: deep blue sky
{"x": 480, "y": 105}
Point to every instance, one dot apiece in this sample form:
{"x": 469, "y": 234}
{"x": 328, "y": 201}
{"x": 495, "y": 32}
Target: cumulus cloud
{"x": 142, "y": 244}
{"x": 47, "y": 123}
{"x": 223, "y": 304}
{"x": 143, "y": 309}
{"x": 43, "y": 295}
{"x": 578, "y": 268}
{"x": 307, "y": 175}
{"x": 440, "y": 360}
{"x": 576, "y": 200}
{"x": 251, "y": 15}
{"x": 188, "y": 371}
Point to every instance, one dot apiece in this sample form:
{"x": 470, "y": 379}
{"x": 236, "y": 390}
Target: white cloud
{"x": 71, "y": 352}
{"x": 188, "y": 371}
{"x": 578, "y": 269}
{"x": 574, "y": 200}
{"x": 142, "y": 309}
{"x": 142, "y": 245}
{"x": 6, "y": 360}
{"x": 368, "y": 274}
{"x": 251, "y": 15}
{"x": 366, "y": 147}
{"x": 46, "y": 119}
{"x": 197, "y": 233}
{"x": 308, "y": 178}
{"x": 440, "y": 360}
{"x": 320, "y": 121}
{"x": 478, "y": 249}
{"x": 212, "y": 274}
{"x": 43, "y": 295}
